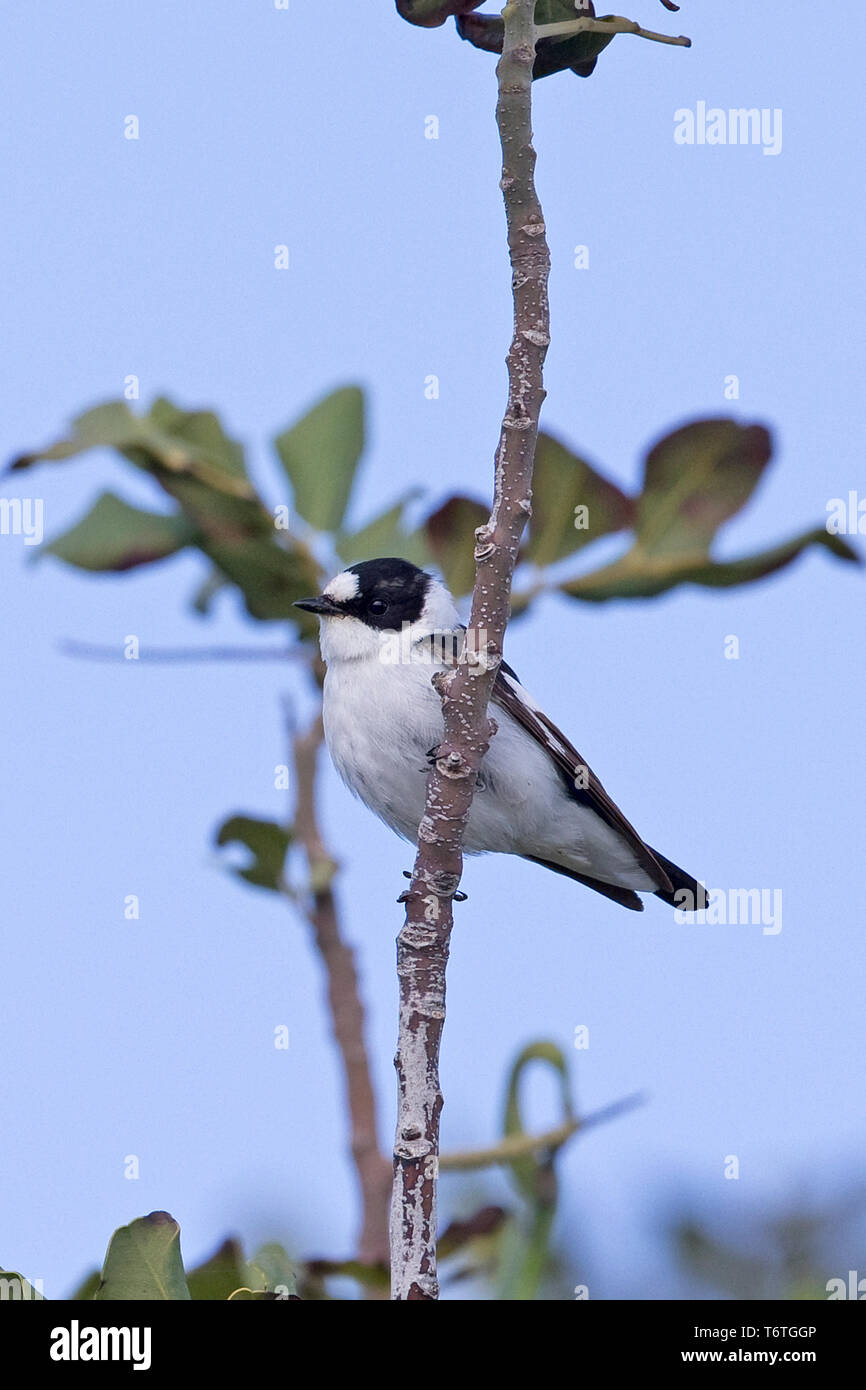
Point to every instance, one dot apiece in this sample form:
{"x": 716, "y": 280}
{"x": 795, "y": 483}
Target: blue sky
{"x": 155, "y": 257}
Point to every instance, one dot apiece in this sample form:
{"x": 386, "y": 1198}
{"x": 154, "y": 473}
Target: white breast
{"x": 382, "y": 719}
{"x": 380, "y": 722}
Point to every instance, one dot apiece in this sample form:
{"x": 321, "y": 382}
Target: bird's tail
{"x": 688, "y": 895}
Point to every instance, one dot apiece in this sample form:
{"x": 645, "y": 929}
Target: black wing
{"x": 584, "y": 787}
{"x": 579, "y": 779}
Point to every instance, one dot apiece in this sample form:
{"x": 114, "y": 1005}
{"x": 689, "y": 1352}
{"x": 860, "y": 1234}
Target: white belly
{"x": 386, "y": 722}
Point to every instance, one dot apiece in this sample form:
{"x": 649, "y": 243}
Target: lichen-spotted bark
{"x": 423, "y": 944}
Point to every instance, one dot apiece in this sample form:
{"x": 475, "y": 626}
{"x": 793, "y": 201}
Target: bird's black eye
{"x": 378, "y": 606}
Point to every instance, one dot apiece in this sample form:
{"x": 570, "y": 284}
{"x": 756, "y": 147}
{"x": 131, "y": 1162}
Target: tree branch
{"x": 347, "y": 1011}
{"x": 423, "y": 944}
{"x": 101, "y": 651}
{"x": 517, "y": 1146}
{"x": 611, "y": 24}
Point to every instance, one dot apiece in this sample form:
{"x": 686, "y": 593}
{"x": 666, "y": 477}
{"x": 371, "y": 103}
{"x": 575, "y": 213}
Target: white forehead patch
{"x": 343, "y": 587}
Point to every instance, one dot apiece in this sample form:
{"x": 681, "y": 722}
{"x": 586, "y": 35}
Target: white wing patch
{"x": 544, "y": 735}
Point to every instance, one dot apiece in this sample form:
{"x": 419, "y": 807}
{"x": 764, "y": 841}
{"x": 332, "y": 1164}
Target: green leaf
{"x": 217, "y": 1278}
{"x": 271, "y": 1270}
{"x": 202, "y": 429}
{"x": 694, "y": 480}
{"x": 562, "y": 482}
{"x": 116, "y": 536}
{"x": 269, "y": 577}
{"x": 226, "y": 1275}
{"x": 175, "y": 439}
{"x": 320, "y": 454}
{"x": 385, "y": 535}
{"x": 193, "y": 460}
{"x": 526, "y": 1170}
{"x": 637, "y": 575}
{"x": 741, "y": 1273}
{"x": 726, "y": 573}
{"x": 578, "y": 53}
{"x": 522, "y": 600}
{"x": 371, "y": 1276}
{"x": 207, "y": 591}
{"x": 167, "y": 442}
{"x": 87, "y": 1288}
{"x": 143, "y": 1262}
{"x": 111, "y": 425}
{"x": 431, "y": 13}
{"x": 525, "y": 1250}
{"x": 477, "y": 1231}
{"x": 450, "y": 535}
{"x": 267, "y": 842}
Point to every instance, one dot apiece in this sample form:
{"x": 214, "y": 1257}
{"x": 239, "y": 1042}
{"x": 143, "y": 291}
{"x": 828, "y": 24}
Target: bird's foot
{"x": 459, "y": 897}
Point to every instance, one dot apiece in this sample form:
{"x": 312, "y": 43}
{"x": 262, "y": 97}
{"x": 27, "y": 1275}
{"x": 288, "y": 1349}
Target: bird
{"x": 386, "y": 627}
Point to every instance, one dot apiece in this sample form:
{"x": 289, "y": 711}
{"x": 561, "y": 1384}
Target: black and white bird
{"x": 385, "y": 628}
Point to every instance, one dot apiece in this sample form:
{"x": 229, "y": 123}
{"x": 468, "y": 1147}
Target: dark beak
{"x": 324, "y": 607}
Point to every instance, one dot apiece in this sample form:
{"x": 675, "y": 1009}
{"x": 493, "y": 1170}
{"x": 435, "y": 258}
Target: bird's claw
{"x": 459, "y": 896}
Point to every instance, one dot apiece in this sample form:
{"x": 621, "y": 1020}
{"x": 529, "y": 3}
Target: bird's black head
{"x": 384, "y": 594}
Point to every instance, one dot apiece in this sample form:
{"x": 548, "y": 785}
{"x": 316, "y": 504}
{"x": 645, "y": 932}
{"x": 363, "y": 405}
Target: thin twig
{"x": 612, "y": 24}
{"x": 347, "y": 1012}
{"x": 526, "y": 1145}
{"x": 423, "y": 944}
{"x": 97, "y": 651}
